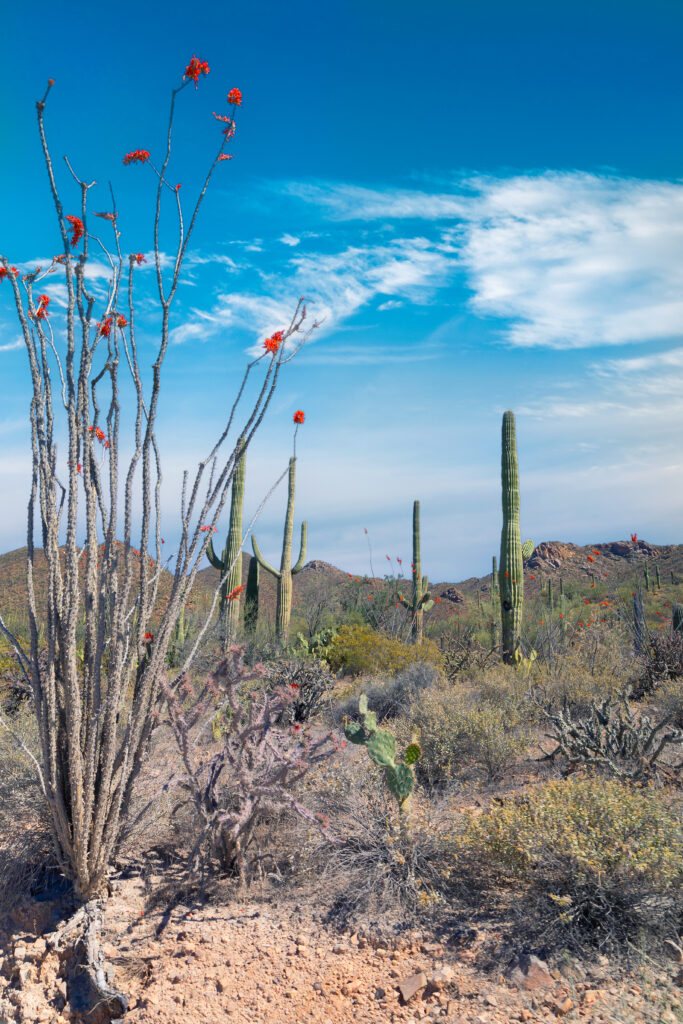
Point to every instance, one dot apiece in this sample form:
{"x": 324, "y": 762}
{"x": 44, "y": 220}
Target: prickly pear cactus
{"x": 381, "y": 747}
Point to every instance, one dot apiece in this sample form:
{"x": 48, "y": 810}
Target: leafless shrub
{"x": 251, "y": 774}
{"x": 613, "y": 740}
{"x": 311, "y": 683}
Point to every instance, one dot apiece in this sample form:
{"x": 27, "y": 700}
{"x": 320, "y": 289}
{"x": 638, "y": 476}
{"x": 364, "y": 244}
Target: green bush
{"x": 583, "y": 832}
{"x": 360, "y": 649}
{"x": 454, "y": 734}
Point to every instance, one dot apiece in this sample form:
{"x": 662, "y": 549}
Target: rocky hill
{"x": 320, "y": 585}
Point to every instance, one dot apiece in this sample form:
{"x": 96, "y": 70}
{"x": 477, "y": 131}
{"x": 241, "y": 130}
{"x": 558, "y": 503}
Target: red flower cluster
{"x": 139, "y": 258}
{"x": 100, "y": 435}
{"x": 138, "y": 154}
{"x": 272, "y": 344}
{"x": 3, "y": 272}
{"x": 121, "y": 321}
{"x": 77, "y": 228}
{"x": 634, "y": 537}
{"x": 299, "y": 418}
{"x": 235, "y": 593}
{"x": 205, "y": 529}
{"x": 225, "y": 156}
{"x": 41, "y": 312}
{"x": 195, "y": 68}
{"x": 235, "y": 96}
{"x": 149, "y": 637}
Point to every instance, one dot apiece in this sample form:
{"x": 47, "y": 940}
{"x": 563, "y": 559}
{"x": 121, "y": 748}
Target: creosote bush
{"x": 389, "y": 698}
{"x": 601, "y": 850}
{"x": 455, "y": 735}
{"x": 357, "y": 649}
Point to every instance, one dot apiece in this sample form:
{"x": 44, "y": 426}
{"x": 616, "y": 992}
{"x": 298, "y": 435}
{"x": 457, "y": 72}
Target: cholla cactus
{"x": 381, "y": 746}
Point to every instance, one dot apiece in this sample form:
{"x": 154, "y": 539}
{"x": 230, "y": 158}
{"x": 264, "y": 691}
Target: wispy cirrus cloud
{"x": 569, "y": 259}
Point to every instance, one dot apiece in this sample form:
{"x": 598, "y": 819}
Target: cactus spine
{"x": 381, "y": 747}
{"x": 251, "y": 598}
{"x": 421, "y": 599}
{"x": 230, "y": 564}
{"x": 283, "y": 608}
{"x": 511, "y": 550}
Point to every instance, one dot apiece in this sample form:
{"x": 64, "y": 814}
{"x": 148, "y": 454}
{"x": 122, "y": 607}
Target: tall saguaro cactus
{"x": 512, "y": 552}
{"x": 283, "y": 608}
{"x": 420, "y": 601}
{"x": 229, "y": 610}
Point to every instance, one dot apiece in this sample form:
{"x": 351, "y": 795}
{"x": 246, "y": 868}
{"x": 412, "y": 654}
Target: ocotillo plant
{"x": 283, "y": 609}
{"x": 381, "y": 746}
{"x": 512, "y": 553}
{"x": 230, "y": 564}
{"x": 251, "y": 598}
{"x": 420, "y": 601}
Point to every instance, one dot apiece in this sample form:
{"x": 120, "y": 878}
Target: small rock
{"x": 444, "y": 976}
{"x": 379, "y": 992}
{"x": 530, "y": 972}
{"x": 589, "y": 996}
{"x": 674, "y": 950}
{"x": 410, "y": 986}
{"x": 491, "y": 1001}
{"x": 562, "y": 1006}
{"x": 223, "y": 982}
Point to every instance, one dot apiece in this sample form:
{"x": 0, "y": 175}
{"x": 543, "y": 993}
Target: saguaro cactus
{"x": 251, "y": 598}
{"x": 381, "y": 746}
{"x": 420, "y": 601}
{"x": 229, "y": 610}
{"x": 494, "y": 580}
{"x": 283, "y": 608}
{"x": 512, "y": 553}
{"x": 677, "y": 618}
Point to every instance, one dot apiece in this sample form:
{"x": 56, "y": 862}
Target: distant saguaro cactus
{"x": 420, "y": 601}
{"x": 283, "y": 608}
{"x": 494, "y": 580}
{"x": 230, "y": 564}
{"x": 512, "y": 552}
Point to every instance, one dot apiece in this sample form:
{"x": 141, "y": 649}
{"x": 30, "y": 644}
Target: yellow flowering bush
{"x": 358, "y": 649}
{"x": 582, "y": 831}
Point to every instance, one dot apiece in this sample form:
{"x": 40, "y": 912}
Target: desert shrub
{"x": 391, "y": 697}
{"x": 612, "y": 739}
{"x": 387, "y": 869}
{"x": 659, "y": 659}
{"x": 608, "y": 855}
{"x": 250, "y": 776}
{"x": 454, "y": 735}
{"x": 311, "y": 682}
{"x": 359, "y": 649}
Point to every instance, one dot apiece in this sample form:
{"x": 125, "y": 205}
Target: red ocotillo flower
{"x": 195, "y": 68}
{"x": 299, "y": 418}
{"x": 77, "y": 229}
{"x": 235, "y": 97}
{"x": 141, "y": 155}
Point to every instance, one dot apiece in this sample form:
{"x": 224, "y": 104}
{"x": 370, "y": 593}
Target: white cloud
{"x": 19, "y": 343}
{"x": 572, "y": 260}
{"x": 391, "y": 304}
{"x": 290, "y": 240}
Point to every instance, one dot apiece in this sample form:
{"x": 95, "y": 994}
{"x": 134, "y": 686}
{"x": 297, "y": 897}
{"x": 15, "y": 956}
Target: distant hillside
{"x": 319, "y": 582}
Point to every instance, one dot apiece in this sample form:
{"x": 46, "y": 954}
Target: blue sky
{"x": 482, "y": 202}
